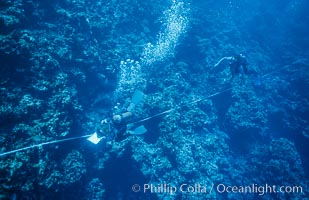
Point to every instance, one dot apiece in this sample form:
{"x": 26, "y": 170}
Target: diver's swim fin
{"x": 136, "y": 99}
{"x": 138, "y": 131}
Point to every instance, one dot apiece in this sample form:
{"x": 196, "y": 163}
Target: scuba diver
{"x": 116, "y": 128}
{"x": 238, "y": 64}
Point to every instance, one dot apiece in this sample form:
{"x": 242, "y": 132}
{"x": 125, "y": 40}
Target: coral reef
{"x": 66, "y": 65}
{"x": 95, "y": 189}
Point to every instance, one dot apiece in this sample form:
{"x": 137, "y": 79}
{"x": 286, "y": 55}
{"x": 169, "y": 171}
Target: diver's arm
{"x": 223, "y": 60}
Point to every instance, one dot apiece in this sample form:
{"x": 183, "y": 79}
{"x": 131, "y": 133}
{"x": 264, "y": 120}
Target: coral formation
{"x": 66, "y": 65}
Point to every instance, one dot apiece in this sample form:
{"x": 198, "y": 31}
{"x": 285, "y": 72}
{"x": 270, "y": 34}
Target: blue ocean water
{"x": 220, "y": 86}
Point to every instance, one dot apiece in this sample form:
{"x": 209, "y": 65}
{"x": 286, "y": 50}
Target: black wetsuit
{"x": 106, "y": 130}
{"x": 120, "y": 130}
{"x": 113, "y": 131}
{"x": 237, "y": 65}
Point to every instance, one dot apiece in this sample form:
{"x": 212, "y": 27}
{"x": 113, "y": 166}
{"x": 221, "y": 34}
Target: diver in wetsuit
{"x": 117, "y": 128}
{"x": 114, "y": 128}
{"x": 238, "y": 64}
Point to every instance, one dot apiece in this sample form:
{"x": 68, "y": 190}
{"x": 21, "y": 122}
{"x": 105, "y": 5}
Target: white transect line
{"x": 142, "y": 120}
{"x": 44, "y": 143}
{"x": 286, "y": 66}
{"x": 200, "y": 100}
{"x": 177, "y": 107}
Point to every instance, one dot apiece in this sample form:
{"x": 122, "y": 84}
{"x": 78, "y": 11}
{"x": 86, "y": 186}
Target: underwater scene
{"x": 154, "y": 99}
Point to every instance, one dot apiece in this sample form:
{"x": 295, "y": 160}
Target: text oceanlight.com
{"x": 218, "y": 188}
